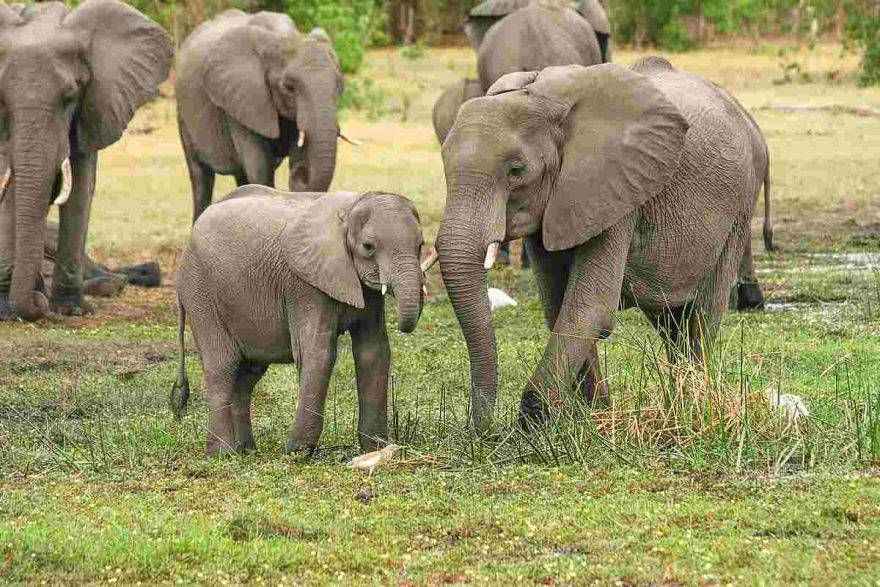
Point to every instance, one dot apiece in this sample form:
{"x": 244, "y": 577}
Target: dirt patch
{"x": 29, "y": 358}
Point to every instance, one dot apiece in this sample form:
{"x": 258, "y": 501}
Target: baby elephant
{"x": 275, "y": 277}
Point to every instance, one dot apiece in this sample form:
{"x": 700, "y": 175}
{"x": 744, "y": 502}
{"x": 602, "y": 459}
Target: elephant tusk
{"x": 4, "y": 183}
{"x": 430, "y": 261}
{"x": 301, "y": 140}
{"x": 353, "y": 142}
{"x": 491, "y": 253}
{"x": 66, "y": 183}
{"x": 384, "y": 289}
{"x": 425, "y": 290}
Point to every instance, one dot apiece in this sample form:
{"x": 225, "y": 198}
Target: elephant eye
{"x": 369, "y": 250}
{"x": 516, "y": 170}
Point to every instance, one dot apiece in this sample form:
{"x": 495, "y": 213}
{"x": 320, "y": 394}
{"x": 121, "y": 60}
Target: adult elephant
{"x": 533, "y": 38}
{"x": 631, "y": 186}
{"x": 251, "y": 90}
{"x": 447, "y": 105}
{"x": 70, "y": 83}
{"x": 486, "y": 14}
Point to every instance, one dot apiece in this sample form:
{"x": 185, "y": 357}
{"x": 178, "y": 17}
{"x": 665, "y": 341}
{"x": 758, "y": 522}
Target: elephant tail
{"x": 180, "y": 392}
{"x": 768, "y": 213}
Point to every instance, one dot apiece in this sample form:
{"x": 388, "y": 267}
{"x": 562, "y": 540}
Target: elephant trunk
{"x": 408, "y": 291}
{"x": 462, "y": 249}
{"x": 318, "y": 134}
{"x": 34, "y": 170}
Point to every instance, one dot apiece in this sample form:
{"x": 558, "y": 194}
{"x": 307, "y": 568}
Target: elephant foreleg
{"x": 67, "y": 281}
{"x": 201, "y": 176}
{"x": 550, "y": 269}
{"x": 372, "y": 360}
{"x": 591, "y": 295}
{"x": 316, "y": 334}
{"x": 254, "y": 156}
{"x": 7, "y": 252}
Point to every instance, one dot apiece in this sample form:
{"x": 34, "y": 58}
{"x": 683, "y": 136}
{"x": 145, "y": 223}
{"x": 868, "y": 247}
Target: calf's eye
{"x": 369, "y": 250}
{"x": 516, "y": 170}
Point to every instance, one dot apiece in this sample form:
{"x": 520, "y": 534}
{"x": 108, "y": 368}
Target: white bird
{"x": 794, "y": 405}
{"x": 499, "y": 299}
{"x": 369, "y": 461}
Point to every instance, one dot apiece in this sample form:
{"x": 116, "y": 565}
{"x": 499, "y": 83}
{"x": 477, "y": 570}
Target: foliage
{"x": 352, "y": 24}
{"x": 413, "y": 52}
{"x": 863, "y": 31}
{"x": 364, "y": 96}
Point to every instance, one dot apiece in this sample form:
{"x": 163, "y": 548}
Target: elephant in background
{"x": 486, "y": 14}
{"x": 70, "y": 82}
{"x": 533, "y": 38}
{"x": 273, "y": 277}
{"x": 447, "y": 105}
{"x": 632, "y": 187}
{"x": 252, "y": 90}
{"x": 98, "y": 280}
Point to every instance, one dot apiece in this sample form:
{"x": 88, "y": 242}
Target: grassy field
{"x": 688, "y": 479}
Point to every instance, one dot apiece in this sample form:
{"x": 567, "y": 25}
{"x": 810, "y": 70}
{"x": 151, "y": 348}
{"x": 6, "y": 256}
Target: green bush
{"x": 863, "y": 32}
{"x": 352, "y": 24}
{"x": 673, "y": 36}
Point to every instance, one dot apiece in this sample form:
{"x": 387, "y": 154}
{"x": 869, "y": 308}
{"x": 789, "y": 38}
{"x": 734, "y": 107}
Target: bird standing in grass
{"x": 369, "y": 461}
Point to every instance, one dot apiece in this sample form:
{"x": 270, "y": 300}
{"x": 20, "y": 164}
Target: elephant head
{"x": 69, "y": 83}
{"x": 562, "y": 155}
{"x": 264, "y": 70}
{"x": 340, "y": 242}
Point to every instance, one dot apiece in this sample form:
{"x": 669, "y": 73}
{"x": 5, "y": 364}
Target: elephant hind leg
{"x": 681, "y": 329}
{"x": 748, "y": 291}
{"x": 246, "y": 378}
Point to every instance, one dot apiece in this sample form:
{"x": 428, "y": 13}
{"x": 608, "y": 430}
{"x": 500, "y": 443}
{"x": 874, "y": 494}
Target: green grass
{"x": 689, "y": 478}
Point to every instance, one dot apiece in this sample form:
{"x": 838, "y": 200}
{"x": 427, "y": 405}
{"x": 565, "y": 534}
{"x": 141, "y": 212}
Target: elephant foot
{"x": 298, "y": 448}
{"x": 105, "y": 286}
{"x": 143, "y": 275}
{"x": 68, "y": 301}
{"x": 6, "y": 314}
{"x": 247, "y": 445}
{"x": 532, "y": 411}
{"x": 749, "y": 296}
{"x": 214, "y": 447}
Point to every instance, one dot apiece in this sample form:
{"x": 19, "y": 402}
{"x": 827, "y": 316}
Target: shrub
{"x": 863, "y": 32}
{"x": 352, "y": 24}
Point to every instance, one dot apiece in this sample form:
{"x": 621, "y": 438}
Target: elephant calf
{"x": 274, "y": 277}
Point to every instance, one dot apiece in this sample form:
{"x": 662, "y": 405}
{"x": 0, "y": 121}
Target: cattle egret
{"x": 369, "y": 461}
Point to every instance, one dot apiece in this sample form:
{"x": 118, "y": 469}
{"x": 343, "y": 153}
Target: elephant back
{"x": 534, "y": 38}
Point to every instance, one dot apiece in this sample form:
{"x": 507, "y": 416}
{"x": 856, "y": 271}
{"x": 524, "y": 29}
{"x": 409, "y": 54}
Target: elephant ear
{"x": 512, "y": 82}
{"x": 316, "y": 250}
{"x": 235, "y": 78}
{"x": 128, "y": 55}
{"x": 622, "y": 142}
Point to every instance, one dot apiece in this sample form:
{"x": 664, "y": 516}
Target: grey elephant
{"x": 747, "y": 294}
{"x": 447, "y": 105}
{"x": 273, "y": 277}
{"x": 533, "y": 38}
{"x": 252, "y": 90}
{"x": 72, "y": 80}
{"x": 630, "y": 186}
{"x": 486, "y": 14}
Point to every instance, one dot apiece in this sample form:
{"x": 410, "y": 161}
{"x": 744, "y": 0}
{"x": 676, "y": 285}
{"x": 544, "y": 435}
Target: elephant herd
{"x": 630, "y": 187}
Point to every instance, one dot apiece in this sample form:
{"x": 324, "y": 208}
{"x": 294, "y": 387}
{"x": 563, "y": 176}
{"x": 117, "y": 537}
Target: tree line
{"x": 676, "y": 25}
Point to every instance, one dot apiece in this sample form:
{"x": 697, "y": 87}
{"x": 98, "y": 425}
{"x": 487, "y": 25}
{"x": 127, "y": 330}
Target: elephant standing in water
{"x": 70, "y": 82}
{"x": 252, "y": 90}
{"x": 631, "y": 187}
